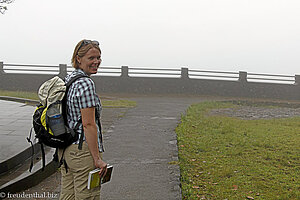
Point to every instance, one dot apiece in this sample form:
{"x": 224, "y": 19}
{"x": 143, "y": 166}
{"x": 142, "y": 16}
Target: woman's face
{"x": 90, "y": 62}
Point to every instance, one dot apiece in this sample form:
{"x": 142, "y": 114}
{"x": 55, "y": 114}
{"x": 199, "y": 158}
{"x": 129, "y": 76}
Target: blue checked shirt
{"x": 82, "y": 94}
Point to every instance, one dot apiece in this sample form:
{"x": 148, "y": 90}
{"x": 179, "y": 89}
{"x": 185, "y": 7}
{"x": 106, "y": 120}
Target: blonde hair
{"x": 80, "y": 50}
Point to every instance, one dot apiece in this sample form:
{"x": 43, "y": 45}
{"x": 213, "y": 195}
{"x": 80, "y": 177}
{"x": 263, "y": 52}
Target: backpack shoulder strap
{"x": 64, "y": 101}
{"x": 68, "y": 85}
{"x": 73, "y": 79}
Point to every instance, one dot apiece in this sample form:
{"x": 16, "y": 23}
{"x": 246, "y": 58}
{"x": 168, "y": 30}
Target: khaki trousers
{"x": 74, "y": 182}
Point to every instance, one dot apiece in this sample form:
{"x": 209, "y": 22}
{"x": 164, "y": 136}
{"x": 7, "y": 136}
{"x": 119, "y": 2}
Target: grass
{"x": 19, "y": 94}
{"x": 118, "y": 103}
{"x": 230, "y": 158}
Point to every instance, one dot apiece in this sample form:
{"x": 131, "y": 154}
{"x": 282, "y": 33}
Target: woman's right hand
{"x": 99, "y": 163}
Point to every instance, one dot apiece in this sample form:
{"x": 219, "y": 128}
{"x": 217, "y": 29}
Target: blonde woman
{"x": 84, "y": 109}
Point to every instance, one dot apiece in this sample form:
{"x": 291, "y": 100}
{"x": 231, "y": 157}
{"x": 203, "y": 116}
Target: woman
{"x": 83, "y": 106}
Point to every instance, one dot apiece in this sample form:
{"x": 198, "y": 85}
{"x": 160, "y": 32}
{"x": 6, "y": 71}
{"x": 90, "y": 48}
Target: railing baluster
{"x": 1, "y": 68}
{"x": 242, "y": 76}
{"x": 184, "y": 73}
{"x": 124, "y": 72}
{"x": 62, "y": 70}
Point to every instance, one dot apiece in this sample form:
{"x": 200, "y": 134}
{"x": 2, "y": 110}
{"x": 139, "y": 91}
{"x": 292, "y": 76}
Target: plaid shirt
{"x": 82, "y": 94}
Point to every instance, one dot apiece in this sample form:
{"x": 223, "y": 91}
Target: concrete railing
{"x": 160, "y": 81}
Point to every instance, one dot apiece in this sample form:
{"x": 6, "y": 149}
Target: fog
{"x": 260, "y": 36}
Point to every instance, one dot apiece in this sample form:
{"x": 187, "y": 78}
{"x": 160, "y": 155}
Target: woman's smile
{"x": 90, "y": 62}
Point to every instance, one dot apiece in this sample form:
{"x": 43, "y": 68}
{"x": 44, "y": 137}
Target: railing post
{"x": 297, "y": 79}
{"x": 124, "y": 71}
{"x": 1, "y": 68}
{"x": 62, "y": 70}
{"x": 242, "y": 76}
{"x": 184, "y": 73}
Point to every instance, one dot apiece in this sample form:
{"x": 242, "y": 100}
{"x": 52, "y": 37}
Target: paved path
{"x": 15, "y": 124}
{"x": 140, "y": 147}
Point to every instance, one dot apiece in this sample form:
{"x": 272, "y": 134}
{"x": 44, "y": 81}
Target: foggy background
{"x": 234, "y": 35}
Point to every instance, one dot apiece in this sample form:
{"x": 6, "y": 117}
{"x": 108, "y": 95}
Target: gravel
{"x": 253, "y": 112}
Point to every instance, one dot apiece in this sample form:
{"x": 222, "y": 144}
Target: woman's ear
{"x": 78, "y": 59}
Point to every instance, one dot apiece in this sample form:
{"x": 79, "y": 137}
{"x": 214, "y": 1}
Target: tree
{"x": 3, "y": 4}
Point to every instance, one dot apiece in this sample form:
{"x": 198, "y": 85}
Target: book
{"x": 94, "y": 179}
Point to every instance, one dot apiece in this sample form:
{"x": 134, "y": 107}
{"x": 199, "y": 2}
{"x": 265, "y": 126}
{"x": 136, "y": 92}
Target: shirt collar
{"x": 80, "y": 71}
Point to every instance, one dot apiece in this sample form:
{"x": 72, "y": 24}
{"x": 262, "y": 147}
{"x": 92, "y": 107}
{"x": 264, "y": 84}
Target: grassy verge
{"x": 230, "y": 158}
{"x": 119, "y": 103}
{"x": 19, "y": 94}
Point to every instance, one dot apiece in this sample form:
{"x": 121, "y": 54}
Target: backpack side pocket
{"x": 55, "y": 120}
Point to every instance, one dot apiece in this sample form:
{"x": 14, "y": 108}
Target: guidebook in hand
{"x": 94, "y": 179}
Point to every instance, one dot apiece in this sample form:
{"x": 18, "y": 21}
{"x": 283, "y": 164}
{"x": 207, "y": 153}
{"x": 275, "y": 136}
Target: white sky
{"x": 234, "y": 35}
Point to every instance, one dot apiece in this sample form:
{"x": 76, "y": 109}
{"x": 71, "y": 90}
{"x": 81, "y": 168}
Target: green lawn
{"x": 120, "y": 103}
{"x": 19, "y": 94}
{"x": 230, "y": 158}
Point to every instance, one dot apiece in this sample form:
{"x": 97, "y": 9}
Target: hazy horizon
{"x": 235, "y": 35}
